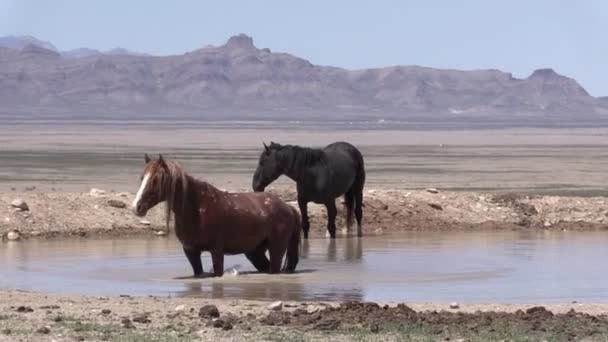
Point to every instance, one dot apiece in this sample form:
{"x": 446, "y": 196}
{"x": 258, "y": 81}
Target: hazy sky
{"x": 516, "y": 36}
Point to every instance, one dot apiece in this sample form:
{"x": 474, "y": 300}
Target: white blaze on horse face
{"x": 141, "y": 190}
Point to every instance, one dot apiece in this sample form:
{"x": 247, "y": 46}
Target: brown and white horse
{"x": 208, "y": 219}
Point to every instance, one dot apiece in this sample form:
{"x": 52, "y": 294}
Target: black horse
{"x": 321, "y": 175}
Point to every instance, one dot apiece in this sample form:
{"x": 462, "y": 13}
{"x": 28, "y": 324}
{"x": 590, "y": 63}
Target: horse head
{"x": 158, "y": 184}
{"x": 270, "y": 167}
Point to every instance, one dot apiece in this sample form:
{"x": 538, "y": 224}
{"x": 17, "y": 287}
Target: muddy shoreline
{"x": 47, "y": 317}
{"x": 108, "y": 214}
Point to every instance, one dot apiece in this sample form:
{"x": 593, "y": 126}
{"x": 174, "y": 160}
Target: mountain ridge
{"x": 239, "y": 80}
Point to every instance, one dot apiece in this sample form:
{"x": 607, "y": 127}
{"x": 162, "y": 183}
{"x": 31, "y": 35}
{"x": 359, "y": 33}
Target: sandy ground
{"x": 109, "y": 213}
{"x": 26, "y": 316}
{"x": 503, "y": 172}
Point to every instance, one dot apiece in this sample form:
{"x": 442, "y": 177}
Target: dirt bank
{"x": 26, "y": 316}
{"x": 107, "y": 213}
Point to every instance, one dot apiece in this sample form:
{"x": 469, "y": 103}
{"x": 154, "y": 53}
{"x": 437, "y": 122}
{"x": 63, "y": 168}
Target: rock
{"x": 180, "y": 308}
{"x": 50, "y": 307}
{"x": 328, "y": 324}
{"x": 106, "y": 311}
{"x": 117, "y": 204}
{"x": 209, "y": 311}
{"x": 454, "y": 305}
{"x": 141, "y": 319}
{"x": 276, "y": 306}
{"x": 432, "y": 190}
{"x": 97, "y": 192}
{"x": 218, "y": 323}
{"x": 126, "y": 323}
{"x": 374, "y": 328}
{"x": 435, "y": 206}
{"x": 276, "y": 319}
{"x": 79, "y": 338}
{"x": 20, "y": 204}
{"x": 13, "y": 235}
{"x": 123, "y": 194}
{"x": 145, "y": 222}
{"x": 44, "y": 330}
{"x": 539, "y": 311}
{"x": 7, "y": 331}
{"x": 24, "y": 309}
{"x": 313, "y": 308}
{"x": 160, "y": 233}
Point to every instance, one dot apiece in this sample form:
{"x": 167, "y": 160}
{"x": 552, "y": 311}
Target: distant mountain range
{"x": 239, "y": 81}
{"x": 20, "y": 42}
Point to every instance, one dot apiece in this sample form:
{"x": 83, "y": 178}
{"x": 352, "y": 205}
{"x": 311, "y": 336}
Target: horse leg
{"x": 303, "y": 204}
{"x": 359, "y": 210}
{"x": 258, "y": 258}
{"x": 349, "y": 203}
{"x": 194, "y": 257}
{"x": 217, "y": 257}
{"x": 331, "y": 218}
{"x": 276, "y": 251}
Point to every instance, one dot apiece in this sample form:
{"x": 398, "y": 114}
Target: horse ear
{"x": 266, "y": 149}
{"x": 161, "y": 159}
{"x": 147, "y": 158}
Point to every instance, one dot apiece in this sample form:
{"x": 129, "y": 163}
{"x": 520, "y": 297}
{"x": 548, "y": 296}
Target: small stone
{"x": 13, "y": 235}
{"x": 454, "y": 305}
{"x": 50, "y": 307}
{"x": 44, "y": 330}
{"x": 117, "y": 204}
{"x": 209, "y": 311}
{"x": 79, "y": 338}
{"x": 7, "y": 331}
{"x": 160, "y": 233}
{"x": 276, "y": 306}
{"x": 435, "y": 206}
{"x": 227, "y": 326}
{"x": 20, "y": 204}
{"x": 106, "y": 311}
{"x": 97, "y": 192}
{"x": 123, "y": 194}
{"x": 126, "y": 323}
{"x": 145, "y": 222}
{"x": 57, "y": 319}
{"x": 180, "y": 308}
{"x": 141, "y": 319}
{"x": 24, "y": 309}
{"x": 432, "y": 190}
{"x": 374, "y": 328}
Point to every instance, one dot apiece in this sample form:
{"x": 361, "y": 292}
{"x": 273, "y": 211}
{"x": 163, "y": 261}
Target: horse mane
{"x": 169, "y": 179}
{"x": 301, "y": 157}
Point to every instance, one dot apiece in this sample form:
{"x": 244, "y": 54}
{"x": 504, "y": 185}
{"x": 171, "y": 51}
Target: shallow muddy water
{"x": 500, "y": 267}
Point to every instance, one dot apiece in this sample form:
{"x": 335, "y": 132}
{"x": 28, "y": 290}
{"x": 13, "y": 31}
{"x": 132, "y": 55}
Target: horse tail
{"x": 349, "y": 202}
{"x": 293, "y": 247}
{"x": 353, "y": 198}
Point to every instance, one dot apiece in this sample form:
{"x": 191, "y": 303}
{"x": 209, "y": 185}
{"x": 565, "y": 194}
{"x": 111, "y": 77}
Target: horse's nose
{"x": 138, "y": 209}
